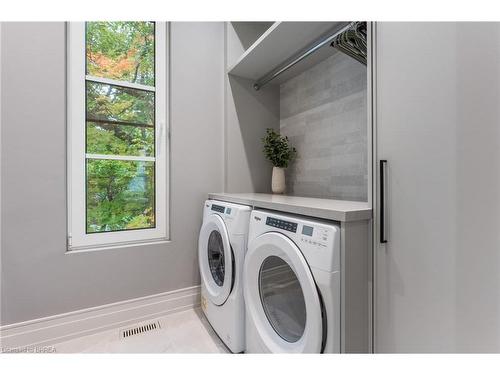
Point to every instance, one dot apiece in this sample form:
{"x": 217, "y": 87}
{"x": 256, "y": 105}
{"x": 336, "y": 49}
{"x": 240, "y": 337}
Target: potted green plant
{"x": 280, "y": 153}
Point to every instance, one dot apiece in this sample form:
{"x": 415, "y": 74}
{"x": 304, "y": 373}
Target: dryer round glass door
{"x": 215, "y": 259}
{"x": 282, "y": 300}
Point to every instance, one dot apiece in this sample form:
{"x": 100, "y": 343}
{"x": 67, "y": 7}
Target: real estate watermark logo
{"x": 29, "y": 349}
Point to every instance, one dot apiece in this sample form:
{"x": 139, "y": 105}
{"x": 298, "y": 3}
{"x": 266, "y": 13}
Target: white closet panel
{"x": 437, "y": 279}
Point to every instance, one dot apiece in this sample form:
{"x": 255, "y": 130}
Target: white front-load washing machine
{"x": 221, "y": 252}
{"x": 292, "y": 285}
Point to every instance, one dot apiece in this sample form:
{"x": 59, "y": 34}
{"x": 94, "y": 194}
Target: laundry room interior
{"x": 250, "y": 187}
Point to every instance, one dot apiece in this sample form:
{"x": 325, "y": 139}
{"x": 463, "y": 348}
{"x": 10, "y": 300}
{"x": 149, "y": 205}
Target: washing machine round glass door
{"x": 215, "y": 259}
{"x": 281, "y": 296}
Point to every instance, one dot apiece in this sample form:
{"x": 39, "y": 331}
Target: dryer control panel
{"x": 281, "y": 224}
{"x": 318, "y": 240}
{"x": 315, "y": 235}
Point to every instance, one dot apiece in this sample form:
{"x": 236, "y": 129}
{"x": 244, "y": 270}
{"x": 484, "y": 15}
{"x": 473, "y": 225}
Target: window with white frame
{"x": 117, "y": 136}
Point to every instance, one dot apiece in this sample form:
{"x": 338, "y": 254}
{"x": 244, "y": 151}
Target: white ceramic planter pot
{"x": 278, "y": 180}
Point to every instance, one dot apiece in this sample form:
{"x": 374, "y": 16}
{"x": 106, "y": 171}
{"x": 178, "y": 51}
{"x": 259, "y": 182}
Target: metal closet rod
{"x": 268, "y": 78}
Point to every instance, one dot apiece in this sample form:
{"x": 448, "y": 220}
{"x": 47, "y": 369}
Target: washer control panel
{"x": 217, "y": 208}
{"x": 227, "y": 211}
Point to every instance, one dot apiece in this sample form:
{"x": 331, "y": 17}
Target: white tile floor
{"x": 182, "y": 332}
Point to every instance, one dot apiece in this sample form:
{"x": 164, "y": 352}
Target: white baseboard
{"x": 58, "y": 328}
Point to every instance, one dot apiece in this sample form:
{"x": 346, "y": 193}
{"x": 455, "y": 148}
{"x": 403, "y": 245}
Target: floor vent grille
{"x": 137, "y": 330}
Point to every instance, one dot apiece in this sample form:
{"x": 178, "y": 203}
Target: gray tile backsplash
{"x": 323, "y": 111}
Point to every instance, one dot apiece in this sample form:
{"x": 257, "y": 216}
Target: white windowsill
{"x": 87, "y": 249}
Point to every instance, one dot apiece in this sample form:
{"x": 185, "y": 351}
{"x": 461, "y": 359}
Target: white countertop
{"x": 330, "y": 209}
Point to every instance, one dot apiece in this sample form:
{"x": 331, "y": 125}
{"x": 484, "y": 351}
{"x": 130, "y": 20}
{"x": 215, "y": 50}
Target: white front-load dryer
{"x": 292, "y": 285}
{"x": 221, "y": 252}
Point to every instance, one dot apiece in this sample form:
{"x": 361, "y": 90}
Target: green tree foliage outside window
{"x": 121, "y": 50}
{"x": 120, "y": 121}
{"x": 120, "y": 195}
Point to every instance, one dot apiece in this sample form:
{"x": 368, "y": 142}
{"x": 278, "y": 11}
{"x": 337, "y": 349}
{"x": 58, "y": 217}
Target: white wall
{"x": 477, "y": 147}
{"x": 248, "y": 114}
{"x": 38, "y": 277}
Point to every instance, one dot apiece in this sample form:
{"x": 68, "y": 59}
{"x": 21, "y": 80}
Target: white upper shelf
{"x": 279, "y": 43}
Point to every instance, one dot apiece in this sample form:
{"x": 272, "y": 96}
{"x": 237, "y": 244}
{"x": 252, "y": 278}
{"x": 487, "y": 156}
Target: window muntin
{"x": 117, "y": 114}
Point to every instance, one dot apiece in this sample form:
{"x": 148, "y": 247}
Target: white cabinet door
{"x": 437, "y": 279}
